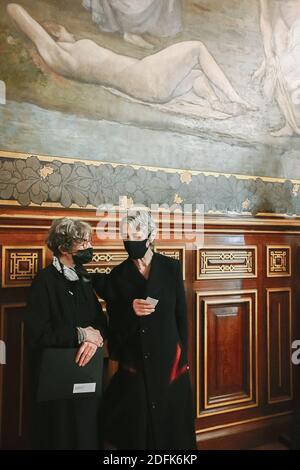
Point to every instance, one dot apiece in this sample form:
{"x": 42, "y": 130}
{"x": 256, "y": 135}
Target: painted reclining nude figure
{"x": 158, "y": 78}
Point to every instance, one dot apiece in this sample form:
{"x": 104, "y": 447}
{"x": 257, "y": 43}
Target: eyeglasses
{"x": 83, "y": 243}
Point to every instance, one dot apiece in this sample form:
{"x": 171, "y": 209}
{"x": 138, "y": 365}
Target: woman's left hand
{"x": 142, "y": 308}
{"x": 85, "y": 353}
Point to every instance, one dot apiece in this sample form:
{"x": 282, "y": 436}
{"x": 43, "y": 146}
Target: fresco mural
{"x": 132, "y": 19}
{"x": 279, "y": 71}
{"x": 193, "y": 85}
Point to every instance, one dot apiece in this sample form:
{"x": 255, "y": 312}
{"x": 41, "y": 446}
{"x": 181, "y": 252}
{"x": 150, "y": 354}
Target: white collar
{"x": 69, "y": 273}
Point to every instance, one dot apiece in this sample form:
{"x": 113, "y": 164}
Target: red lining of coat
{"x": 177, "y": 372}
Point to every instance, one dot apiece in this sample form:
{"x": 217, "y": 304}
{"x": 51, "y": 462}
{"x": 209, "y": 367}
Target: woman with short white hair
{"x": 148, "y": 403}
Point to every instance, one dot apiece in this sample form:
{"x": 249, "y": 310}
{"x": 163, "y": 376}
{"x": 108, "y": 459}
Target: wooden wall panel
{"x": 242, "y": 291}
{"x": 227, "y": 363}
{"x": 13, "y": 411}
{"x": 20, "y": 264}
{"x": 279, "y": 334}
{"x": 279, "y": 261}
{"x": 224, "y": 262}
{"x": 105, "y": 258}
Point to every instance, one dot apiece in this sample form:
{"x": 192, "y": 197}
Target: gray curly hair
{"x": 140, "y": 220}
{"x": 65, "y": 232}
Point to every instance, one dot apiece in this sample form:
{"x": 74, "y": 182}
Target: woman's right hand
{"x": 142, "y": 308}
{"x": 93, "y": 336}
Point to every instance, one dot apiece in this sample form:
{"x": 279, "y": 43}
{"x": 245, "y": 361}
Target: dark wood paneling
{"x": 279, "y": 332}
{"x": 20, "y": 264}
{"x": 239, "y": 346}
{"x": 13, "y": 383}
{"x": 226, "y": 363}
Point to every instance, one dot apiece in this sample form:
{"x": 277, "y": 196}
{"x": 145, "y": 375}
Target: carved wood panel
{"x": 279, "y": 340}
{"x": 226, "y": 364}
{"x": 226, "y": 262}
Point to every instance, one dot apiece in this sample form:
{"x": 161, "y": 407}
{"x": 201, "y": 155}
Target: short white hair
{"x": 141, "y": 220}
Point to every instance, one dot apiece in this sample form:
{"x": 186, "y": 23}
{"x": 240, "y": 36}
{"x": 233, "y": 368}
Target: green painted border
{"x": 63, "y": 182}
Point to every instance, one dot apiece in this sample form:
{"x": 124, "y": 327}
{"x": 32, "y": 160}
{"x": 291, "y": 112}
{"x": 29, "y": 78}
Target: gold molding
{"x": 21, "y": 247}
{"x": 238, "y": 400}
{"x": 200, "y": 277}
{"x": 199, "y": 295}
{"x": 209, "y": 219}
{"x": 119, "y": 249}
{"x": 244, "y": 421}
{"x": 209, "y": 231}
{"x": 279, "y": 247}
{"x": 287, "y": 397}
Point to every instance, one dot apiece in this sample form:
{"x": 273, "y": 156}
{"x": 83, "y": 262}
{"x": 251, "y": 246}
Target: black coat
{"x": 148, "y": 403}
{"x": 55, "y": 308}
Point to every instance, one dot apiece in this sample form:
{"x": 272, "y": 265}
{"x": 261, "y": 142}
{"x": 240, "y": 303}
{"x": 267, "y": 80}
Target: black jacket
{"x": 156, "y": 345}
{"x": 55, "y": 308}
{"x": 52, "y": 315}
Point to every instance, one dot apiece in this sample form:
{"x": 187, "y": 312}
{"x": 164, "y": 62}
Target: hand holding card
{"x": 143, "y": 307}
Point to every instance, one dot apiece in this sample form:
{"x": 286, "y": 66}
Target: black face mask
{"x": 83, "y": 256}
{"x": 136, "y": 249}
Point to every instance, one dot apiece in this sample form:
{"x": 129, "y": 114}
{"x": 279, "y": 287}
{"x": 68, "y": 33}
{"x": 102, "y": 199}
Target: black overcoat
{"x": 55, "y": 308}
{"x": 152, "y": 408}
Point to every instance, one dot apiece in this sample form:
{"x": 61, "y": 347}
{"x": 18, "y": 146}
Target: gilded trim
{"x": 209, "y": 231}
{"x": 279, "y": 247}
{"x": 208, "y": 219}
{"x": 21, "y": 247}
{"x": 244, "y": 421}
{"x": 237, "y": 275}
{"x": 229, "y": 402}
{"x": 288, "y": 397}
{"x": 200, "y": 295}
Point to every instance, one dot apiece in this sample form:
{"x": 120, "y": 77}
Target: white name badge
{"x": 84, "y": 388}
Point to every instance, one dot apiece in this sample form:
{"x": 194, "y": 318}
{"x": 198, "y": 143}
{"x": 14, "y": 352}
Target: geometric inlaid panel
{"x": 105, "y": 258}
{"x": 279, "y": 342}
{"x": 20, "y": 264}
{"x": 176, "y": 252}
{"x": 226, "y": 357}
{"x": 278, "y": 261}
{"x": 226, "y": 262}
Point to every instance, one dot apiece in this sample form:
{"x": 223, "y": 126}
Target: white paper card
{"x": 84, "y": 388}
{"x": 152, "y": 301}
